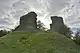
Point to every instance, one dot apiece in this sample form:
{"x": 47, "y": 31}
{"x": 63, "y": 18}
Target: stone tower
{"x": 28, "y": 22}
{"x": 57, "y": 23}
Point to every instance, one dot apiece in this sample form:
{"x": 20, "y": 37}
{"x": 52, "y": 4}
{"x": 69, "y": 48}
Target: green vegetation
{"x": 76, "y": 38}
{"x": 3, "y": 32}
{"x": 37, "y": 42}
{"x": 65, "y": 31}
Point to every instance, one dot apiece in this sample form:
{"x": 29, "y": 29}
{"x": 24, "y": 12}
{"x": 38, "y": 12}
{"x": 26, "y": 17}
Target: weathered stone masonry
{"x": 57, "y": 23}
{"x": 28, "y": 22}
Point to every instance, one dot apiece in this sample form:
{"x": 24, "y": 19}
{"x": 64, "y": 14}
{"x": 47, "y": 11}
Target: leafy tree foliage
{"x": 40, "y": 25}
{"x": 77, "y": 37}
{"x": 3, "y": 32}
{"x": 65, "y": 31}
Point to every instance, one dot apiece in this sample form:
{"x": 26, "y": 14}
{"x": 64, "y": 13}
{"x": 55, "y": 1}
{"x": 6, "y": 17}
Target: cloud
{"x": 11, "y": 10}
{"x": 71, "y": 14}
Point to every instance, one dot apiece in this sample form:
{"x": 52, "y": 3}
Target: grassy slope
{"x": 37, "y": 42}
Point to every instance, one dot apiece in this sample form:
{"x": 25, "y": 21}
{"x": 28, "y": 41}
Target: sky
{"x": 12, "y": 10}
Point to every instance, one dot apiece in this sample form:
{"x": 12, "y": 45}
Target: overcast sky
{"x": 11, "y": 10}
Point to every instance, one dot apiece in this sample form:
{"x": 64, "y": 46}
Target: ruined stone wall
{"x": 57, "y": 23}
{"x": 28, "y": 22}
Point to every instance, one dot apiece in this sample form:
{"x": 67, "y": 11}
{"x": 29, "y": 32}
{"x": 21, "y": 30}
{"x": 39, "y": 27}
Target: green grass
{"x": 37, "y": 42}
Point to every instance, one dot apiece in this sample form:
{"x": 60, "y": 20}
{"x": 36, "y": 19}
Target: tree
{"x": 40, "y": 25}
{"x": 3, "y": 32}
{"x": 65, "y": 31}
{"x": 77, "y": 37}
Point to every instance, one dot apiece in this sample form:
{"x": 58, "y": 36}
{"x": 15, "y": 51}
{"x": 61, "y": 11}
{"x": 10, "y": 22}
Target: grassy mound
{"x": 37, "y": 42}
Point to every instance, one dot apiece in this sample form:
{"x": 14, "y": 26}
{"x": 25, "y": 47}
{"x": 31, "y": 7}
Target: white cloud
{"x": 11, "y": 10}
{"x": 72, "y": 13}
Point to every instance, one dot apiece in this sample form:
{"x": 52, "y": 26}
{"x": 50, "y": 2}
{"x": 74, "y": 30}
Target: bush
{"x": 3, "y": 32}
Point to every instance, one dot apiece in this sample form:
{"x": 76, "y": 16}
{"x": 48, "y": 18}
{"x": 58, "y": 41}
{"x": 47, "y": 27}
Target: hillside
{"x": 37, "y": 42}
